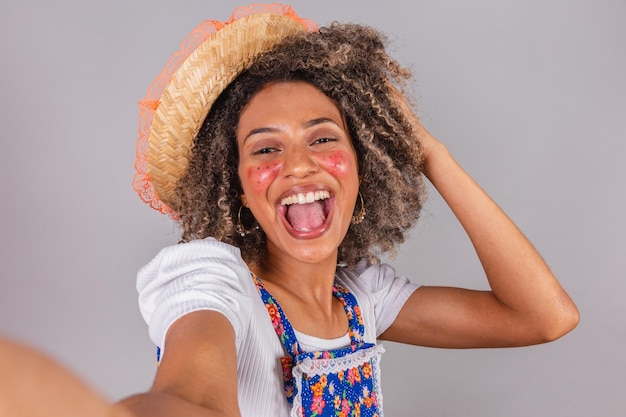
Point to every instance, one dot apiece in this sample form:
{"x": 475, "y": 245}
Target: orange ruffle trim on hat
{"x": 148, "y": 105}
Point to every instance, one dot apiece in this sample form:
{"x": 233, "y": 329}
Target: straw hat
{"x": 177, "y": 102}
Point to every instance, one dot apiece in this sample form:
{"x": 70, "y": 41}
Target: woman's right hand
{"x": 33, "y": 385}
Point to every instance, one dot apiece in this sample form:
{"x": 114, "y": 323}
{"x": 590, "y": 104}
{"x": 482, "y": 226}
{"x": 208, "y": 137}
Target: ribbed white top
{"x": 210, "y": 275}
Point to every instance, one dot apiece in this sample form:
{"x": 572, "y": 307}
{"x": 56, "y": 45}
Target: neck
{"x": 304, "y": 291}
{"x": 306, "y": 280}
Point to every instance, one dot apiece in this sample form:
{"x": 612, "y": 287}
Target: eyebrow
{"x": 309, "y": 124}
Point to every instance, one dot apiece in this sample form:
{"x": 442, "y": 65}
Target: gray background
{"x": 530, "y": 96}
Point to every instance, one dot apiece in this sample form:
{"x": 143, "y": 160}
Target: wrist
{"x": 434, "y": 154}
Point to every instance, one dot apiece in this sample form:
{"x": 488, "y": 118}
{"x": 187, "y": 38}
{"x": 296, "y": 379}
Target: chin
{"x": 311, "y": 253}
{"x": 315, "y": 256}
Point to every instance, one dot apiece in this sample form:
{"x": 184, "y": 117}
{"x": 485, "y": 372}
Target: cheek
{"x": 261, "y": 176}
{"x": 339, "y": 163}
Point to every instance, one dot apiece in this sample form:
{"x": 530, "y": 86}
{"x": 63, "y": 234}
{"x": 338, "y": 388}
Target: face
{"x": 298, "y": 170}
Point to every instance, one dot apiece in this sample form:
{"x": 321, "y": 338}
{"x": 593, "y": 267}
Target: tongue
{"x": 306, "y": 217}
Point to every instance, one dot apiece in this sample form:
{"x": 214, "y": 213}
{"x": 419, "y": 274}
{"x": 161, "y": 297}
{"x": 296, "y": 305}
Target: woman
{"x": 307, "y": 164}
{"x": 292, "y": 159}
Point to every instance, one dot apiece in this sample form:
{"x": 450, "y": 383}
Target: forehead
{"x": 296, "y": 100}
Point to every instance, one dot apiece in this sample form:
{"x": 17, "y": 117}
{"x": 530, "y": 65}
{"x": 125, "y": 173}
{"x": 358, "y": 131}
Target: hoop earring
{"x": 239, "y": 226}
{"x": 358, "y": 218}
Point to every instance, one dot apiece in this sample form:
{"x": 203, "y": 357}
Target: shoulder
{"x": 378, "y": 286}
{"x": 200, "y": 250}
{"x": 199, "y": 275}
{"x": 186, "y": 260}
{"x": 366, "y": 275}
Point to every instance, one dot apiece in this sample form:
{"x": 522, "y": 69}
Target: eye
{"x": 324, "y": 140}
{"x": 264, "y": 151}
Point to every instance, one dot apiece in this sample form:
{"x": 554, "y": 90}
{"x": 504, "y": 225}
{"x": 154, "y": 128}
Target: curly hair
{"x": 349, "y": 64}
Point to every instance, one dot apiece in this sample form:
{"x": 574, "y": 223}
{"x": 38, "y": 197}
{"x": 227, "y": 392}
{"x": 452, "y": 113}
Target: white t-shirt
{"x": 210, "y": 275}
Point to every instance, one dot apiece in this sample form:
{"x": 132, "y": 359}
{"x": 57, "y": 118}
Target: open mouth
{"x": 306, "y": 212}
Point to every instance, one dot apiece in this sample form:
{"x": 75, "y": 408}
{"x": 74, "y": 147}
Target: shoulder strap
{"x": 353, "y": 312}
{"x": 281, "y": 325}
{"x": 285, "y": 331}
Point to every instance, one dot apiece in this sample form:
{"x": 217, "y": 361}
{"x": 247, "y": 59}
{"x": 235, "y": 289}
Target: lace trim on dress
{"x": 314, "y": 367}
{"x": 310, "y": 368}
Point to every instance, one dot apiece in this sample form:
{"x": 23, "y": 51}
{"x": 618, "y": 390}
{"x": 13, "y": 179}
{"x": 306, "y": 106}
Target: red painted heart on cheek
{"x": 261, "y": 176}
{"x": 339, "y": 163}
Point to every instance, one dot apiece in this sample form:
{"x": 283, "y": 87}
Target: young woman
{"x": 306, "y": 165}
{"x": 292, "y": 160}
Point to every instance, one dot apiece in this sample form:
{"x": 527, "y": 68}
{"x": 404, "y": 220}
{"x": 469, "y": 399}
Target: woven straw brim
{"x": 195, "y": 86}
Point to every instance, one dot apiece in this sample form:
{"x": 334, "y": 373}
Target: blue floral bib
{"x": 341, "y": 382}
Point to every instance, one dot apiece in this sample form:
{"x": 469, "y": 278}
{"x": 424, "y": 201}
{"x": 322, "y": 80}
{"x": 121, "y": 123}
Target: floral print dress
{"x": 342, "y": 382}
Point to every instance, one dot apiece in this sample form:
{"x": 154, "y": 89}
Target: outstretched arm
{"x": 33, "y": 385}
{"x": 526, "y": 304}
{"x": 197, "y": 376}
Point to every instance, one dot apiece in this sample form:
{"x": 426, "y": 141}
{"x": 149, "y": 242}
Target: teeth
{"x": 302, "y": 198}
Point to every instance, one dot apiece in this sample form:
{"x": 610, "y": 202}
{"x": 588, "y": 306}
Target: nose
{"x": 300, "y": 162}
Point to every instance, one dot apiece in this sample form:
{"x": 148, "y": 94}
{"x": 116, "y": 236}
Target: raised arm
{"x": 526, "y": 304}
{"x": 197, "y": 376}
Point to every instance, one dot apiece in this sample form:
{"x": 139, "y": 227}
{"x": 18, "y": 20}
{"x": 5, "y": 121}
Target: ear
{"x": 244, "y": 200}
